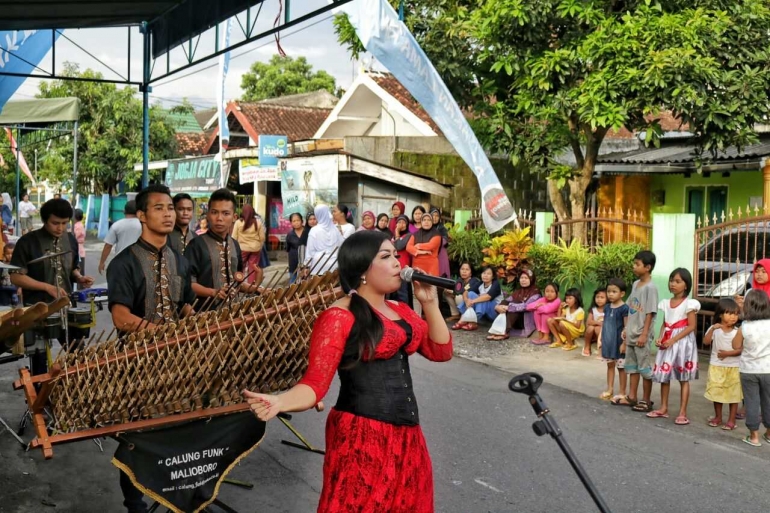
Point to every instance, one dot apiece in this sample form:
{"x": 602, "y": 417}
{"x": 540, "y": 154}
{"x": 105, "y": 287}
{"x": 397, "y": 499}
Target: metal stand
{"x": 305, "y": 446}
{"x": 528, "y": 383}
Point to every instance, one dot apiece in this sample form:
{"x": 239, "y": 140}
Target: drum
{"x": 80, "y": 317}
{"x": 50, "y": 327}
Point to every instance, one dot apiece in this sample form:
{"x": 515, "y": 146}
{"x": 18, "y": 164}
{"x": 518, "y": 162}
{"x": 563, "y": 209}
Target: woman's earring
{"x": 363, "y": 280}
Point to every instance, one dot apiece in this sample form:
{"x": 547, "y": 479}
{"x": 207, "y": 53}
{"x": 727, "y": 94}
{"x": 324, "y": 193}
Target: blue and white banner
{"x": 20, "y": 52}
{"x": 224, "y": 64}
{"x": 388, "y": 39}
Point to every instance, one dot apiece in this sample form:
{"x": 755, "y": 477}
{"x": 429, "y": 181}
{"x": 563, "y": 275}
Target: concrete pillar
{"x": 543, "y": 222}
{"x": 766, "y": 188}
{"x": 673, "y": 242}
{"x": 462, "y": 217}
{"x": 260, "y": 199}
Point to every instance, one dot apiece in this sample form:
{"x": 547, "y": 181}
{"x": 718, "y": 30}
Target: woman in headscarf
{"x": 514, "y": 306}
{"x": 424, "y": 246}
{"x": 401, "y": 239}
{"x": 324, "y": 238}
{"x": 443, "y": 257}
{"x": 382, "y": 224}
{"x": 250, "y": 234}
{"x": 367, "y": 221}
{"x": 398, "y": 209}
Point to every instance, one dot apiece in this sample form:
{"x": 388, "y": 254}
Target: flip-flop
{"x": 458, "y": 325}
{"x": 605, "y": 396}
{"x": 470, "y": 327}
{"x": 655, "y": 414}
{"x": 555, "y": 345}
{"x": 729, "y": 427}
{"x": 682, "y": 421}
{"x": 767, "y": 438}
{"x": 748, "y": 441}
{"x": 714, "y": 422}
{"x": 586, "y": 355}
{"x": 541, "y": 342}
{"x": 740, "y": 416}
{"x": 569, "y": 348}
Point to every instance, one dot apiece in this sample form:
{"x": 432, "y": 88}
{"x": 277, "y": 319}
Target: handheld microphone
{"x": 409, "y": 275}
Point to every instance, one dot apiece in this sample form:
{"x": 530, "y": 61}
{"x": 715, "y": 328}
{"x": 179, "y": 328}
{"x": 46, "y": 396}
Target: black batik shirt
{"x": 213, "y": 260}
{"x": 38, "y": 243}
{"x": 151, "y": 283}
{"x": 179, "y": 242}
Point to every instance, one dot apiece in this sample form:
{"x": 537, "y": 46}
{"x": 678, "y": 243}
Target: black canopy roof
{"x": 171, "y": 21}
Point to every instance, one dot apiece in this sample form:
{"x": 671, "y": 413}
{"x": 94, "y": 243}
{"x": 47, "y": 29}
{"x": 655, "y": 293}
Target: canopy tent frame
{"x": 46, "y": 112}
{"x": 160, "y": 36}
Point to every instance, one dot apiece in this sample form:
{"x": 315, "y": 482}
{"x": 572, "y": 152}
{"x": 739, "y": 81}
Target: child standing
{"x": 754, "y": 340}
{"x": 677, "y": 356}
{"x": 613, "y": 346}
{"x": 643, "y": 307}
{"x": 724, "y": 381}
{"x": 571, "y": 324}
{"x": 544, "y": 309}
{"x": 595, "y": 320}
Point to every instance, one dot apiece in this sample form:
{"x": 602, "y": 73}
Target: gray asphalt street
{"x": 485, "y": 457}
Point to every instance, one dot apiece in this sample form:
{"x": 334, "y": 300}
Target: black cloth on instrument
{"x": 179, "y": 242}
{"x": 206, "y": 267}
{"x": 36, "y": 244}
{"x": 132, "y": 277}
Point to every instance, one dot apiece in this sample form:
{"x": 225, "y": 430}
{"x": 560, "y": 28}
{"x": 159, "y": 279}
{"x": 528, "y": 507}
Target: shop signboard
{"x": 194, "y": 175}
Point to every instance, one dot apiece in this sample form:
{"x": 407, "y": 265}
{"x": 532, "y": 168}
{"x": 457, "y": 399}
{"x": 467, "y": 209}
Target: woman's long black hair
{"x": 355, "y": 257}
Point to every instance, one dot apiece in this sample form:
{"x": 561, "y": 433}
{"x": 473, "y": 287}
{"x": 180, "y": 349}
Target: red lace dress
{"x": 370, "y": 465}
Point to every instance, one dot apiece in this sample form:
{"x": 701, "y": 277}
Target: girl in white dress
{"x": 677, "y": 356}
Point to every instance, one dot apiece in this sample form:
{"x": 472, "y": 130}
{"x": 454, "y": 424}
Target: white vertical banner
{"x": 384, "y": 36}
{"x": 224, "y": 128}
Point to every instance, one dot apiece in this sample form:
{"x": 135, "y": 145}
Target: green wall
{"x": 741, "y": 186}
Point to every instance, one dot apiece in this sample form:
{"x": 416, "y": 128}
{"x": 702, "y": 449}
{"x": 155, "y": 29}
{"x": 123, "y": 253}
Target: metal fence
{"x": 604, "y": 227}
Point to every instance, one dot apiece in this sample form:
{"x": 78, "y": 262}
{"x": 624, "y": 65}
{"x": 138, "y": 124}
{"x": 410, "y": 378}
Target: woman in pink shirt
{"x": 79, "y": 231}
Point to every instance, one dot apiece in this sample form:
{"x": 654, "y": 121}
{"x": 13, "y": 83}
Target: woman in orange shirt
{"x": 424, "y": 246}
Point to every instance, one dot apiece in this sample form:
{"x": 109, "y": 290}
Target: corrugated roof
{"x": 184, "y": 122}
{"x": 684, "y": 154}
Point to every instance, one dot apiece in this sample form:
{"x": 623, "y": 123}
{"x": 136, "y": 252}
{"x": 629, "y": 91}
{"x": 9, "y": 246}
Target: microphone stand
{"x": 528, "y": 383}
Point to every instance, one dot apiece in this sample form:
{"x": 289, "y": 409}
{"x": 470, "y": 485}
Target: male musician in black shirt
{"x": 214, "y": 256}
{"x": 183, "y": 233}
{"x": 53, "y": 277}
{"x": 148, "y": 283}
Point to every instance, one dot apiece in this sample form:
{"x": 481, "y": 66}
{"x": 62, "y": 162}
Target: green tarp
{"x": 49, "y": 110}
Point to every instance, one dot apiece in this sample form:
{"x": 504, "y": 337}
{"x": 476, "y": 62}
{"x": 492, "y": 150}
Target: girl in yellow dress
{"x": 571, "y": 324}
{"x": 724, "y": 381}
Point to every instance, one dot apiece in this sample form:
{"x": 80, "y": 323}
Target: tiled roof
{"x": 297, "y": 123}
{"x": 184, "y": 122}
{"x": 667, "y": 122}
{"x": 189, "y": 144}
{"x": 394, "y": 88}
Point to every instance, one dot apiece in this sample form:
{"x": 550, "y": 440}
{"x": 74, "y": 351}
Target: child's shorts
{"x": 620, "y": 363}
{"x": 638, "y": 360}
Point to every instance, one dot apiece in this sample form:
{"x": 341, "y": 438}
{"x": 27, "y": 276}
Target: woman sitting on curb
{"x": 469, "y": 282}
{"x": 483, "y": 300}
{"x": 514, "y": 308}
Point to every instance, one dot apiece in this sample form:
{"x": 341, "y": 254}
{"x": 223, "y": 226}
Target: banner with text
{"x": 194, "y": 175}
{"x": 181, "y": 467}
{"x": 307, "y": 182}
{"x": 384, "y": 36}
{"x": 271, "y": 148}
{"x": 249, "y": 171}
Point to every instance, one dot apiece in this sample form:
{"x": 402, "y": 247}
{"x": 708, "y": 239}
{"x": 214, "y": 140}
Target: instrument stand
{"x": 528, "y": 384}
{"x": 305, "y": 446}
{"x": 12, "y": 432}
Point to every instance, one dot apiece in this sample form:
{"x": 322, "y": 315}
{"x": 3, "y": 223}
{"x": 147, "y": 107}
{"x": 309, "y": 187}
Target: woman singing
{"x": 376, "y": 458}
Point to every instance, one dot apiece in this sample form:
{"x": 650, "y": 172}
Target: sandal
{"x": 657, "y": 414}
{"x": 622, "y": 400}
{"x": 767, "y": 438}
{"x": 555, "y": 345}
{"x": 642, "y": 406}
{"x": 729, "y": 426}
{"x": 586, "y": 355}
{"x": 458, "y": 325}
{"x": 740, "y": 416}
{"x": 570, "y": 348}
{"x": 747, "y": 440}
{"x": 682, "y": 421}
{"x": 541, "y": 342}
{"x": 605, "y": 396}
{"x": 714, "y": 422}
{"x": 470, "y": 326}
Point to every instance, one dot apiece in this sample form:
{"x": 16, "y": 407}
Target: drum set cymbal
{"x": 46, "y": 257}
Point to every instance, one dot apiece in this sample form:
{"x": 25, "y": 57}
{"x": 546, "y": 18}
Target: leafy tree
{"x": 186, "y": 107}
{"x": 546, "y": 76}
{"x": 109, "y": 135}
{"x": 282, "y": 76}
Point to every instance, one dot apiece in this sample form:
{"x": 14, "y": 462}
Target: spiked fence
{"x": 177, "y": 372}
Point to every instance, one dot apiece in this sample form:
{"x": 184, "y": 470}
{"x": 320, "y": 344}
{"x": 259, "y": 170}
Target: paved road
{"x": 485, "y": 458}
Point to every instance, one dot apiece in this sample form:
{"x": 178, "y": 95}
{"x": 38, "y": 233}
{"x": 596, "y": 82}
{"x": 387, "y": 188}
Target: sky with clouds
{"x": 314, "y": 39}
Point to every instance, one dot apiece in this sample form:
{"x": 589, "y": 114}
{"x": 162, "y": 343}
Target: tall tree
{"x": 282, "y": 76}
{"x": 549, "y": 75}
{"x": 109, "y": 135}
